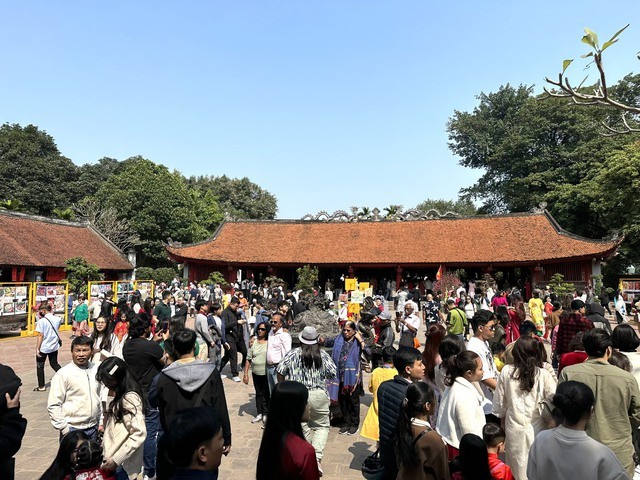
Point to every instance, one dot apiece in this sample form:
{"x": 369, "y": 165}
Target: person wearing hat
{"x": 570, "y": 325}
{"x": 311, "y": 366}
{"x": 384, "y": 337}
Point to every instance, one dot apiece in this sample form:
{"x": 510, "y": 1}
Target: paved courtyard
{"x": 343, "y": 455}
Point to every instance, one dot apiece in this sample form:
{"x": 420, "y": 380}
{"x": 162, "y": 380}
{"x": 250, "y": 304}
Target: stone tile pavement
{"x": 343, "y": 454}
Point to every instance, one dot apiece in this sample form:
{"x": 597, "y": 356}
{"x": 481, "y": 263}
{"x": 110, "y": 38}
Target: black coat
{"x": 12, "y": 423}
{"x": 390, "y": 397}
{"x": 230, "y": 322}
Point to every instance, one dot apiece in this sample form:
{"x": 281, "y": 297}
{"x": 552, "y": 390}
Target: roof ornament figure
{"x": 542, "y": 206}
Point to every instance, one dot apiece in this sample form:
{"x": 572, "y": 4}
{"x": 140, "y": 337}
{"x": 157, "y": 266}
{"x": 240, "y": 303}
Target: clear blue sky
{"x": 326, "y": 104}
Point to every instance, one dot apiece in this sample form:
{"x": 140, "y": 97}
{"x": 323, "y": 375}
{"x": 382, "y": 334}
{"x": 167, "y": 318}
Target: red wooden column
{"x": 398, "y": 276}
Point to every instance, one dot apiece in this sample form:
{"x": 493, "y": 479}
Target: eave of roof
{"x": 517, "y": 238}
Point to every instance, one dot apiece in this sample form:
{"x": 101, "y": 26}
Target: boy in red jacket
{"x": 494, "y": 436}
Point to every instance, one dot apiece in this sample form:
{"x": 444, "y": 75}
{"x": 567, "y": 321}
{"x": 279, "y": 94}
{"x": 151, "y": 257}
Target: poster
{"x": 357, "y": 296}
{"x": 98, "y": 288}
{"x": 22, "y": 292}
{"x": 368, "y": 292}
{"x": 21, "y": 307}
{"x": 8, "y": 308}
{"x": 41, "y": 293}
{"x": 58, "y": 303}
{"x": 362, "y": 286}
{"x": 9, "y": 293}
{"x": 144, "y": 288}
{"x": 350, "y": 284}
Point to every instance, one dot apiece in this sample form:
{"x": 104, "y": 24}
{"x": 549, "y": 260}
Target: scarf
{"x": 349, "y": 376}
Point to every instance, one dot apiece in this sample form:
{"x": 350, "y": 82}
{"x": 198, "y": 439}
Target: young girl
{"x": 421, "y": 453}
{"x": 284, "y": 453}
{"x": 474, "y": 458}
{"x": 257, "y": 359}
{"x": 101, "y": 337}
{"x": 77, "y": 458}
{"x": 124, "y": 426}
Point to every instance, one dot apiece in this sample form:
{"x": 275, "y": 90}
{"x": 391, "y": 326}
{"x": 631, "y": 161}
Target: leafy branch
{"x": 600, "y": 95}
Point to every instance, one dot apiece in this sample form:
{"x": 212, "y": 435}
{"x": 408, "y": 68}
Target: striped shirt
{"x": 292, "y": 368}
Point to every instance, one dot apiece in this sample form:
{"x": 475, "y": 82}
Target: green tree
{"x": 145, "y": 273}
{"x": 217, "y": 277}
{"x": 391, "y": 210}
{"x": 559, "y": 286}
{"x": 159, "y": 205}
{"x": 80, "y": 273}
{"x": 307, "y": 278}
{"x": 464, "y": 207}
{"x": 33, "y": 171}
{"x": 91, "y": 175}
{"x": 239, "y": 197}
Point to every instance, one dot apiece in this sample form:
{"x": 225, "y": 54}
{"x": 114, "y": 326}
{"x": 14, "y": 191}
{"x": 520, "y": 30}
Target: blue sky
{"x": 325, "y": 104}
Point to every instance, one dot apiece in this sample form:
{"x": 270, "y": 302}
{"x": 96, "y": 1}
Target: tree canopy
{"x": 239, "y": 197}
{"x": 35, "y": 175}
{"x": 464, "y": 207}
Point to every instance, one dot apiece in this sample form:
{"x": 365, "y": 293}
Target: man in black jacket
{"x": 408, "y": 363}
{"x": 231, "y": 320}
{"x": 12, "y": 423}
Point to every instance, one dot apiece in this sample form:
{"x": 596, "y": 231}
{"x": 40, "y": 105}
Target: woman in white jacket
{"x": 124, "y": 427}
{"x": 461, "y": 409}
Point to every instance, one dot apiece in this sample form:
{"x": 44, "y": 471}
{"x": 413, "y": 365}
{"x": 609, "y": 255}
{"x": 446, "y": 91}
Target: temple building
{"x": 514, "y": 248}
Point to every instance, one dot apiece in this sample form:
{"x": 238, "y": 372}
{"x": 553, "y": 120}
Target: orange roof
{"x": 32, "y": 241}
{"x": 512, "y": 238}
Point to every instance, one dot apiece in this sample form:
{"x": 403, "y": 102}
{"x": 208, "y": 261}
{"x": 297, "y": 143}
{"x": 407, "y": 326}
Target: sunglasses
{"x": 492, "y": 327}
{"x": 262, "y": 329}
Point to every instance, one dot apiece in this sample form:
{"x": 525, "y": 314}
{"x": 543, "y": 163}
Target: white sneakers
{"x": 257, "y": 419}
{"x": 236, "y": 379}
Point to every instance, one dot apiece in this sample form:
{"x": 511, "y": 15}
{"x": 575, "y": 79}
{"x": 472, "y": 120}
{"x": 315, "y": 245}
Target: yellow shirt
{"x": 371, "y": 426}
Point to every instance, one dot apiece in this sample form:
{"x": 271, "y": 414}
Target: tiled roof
{"x": 27, "y": 240}
{"x": 526, "y": 237}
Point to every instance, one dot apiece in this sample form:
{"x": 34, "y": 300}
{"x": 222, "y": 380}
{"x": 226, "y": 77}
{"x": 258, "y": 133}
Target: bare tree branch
{"x": 105, "y": 219}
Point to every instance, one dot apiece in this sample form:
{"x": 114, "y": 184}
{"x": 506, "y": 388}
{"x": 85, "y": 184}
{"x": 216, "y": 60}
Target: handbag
{"x": 54, "y": 331}
{"x": 372, "y": 467}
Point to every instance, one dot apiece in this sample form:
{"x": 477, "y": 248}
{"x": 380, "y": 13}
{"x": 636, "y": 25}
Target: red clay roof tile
{"x": 510, "y": 238}
{"x": 32, "y": 241}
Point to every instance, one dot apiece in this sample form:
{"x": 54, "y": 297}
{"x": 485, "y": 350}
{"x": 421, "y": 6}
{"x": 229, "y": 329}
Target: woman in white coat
{"x": 521, "y": 387}
{"x": 460, "y": 409}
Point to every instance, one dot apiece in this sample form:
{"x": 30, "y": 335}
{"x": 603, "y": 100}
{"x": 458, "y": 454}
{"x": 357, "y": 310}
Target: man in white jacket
{"x": 74, "y": 397}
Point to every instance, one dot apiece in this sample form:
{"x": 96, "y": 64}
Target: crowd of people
{"x": 498, "y": 388}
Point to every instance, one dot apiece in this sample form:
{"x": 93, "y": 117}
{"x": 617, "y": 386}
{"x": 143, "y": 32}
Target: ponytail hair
{"x": 417, "y": 395}
{"x": 458, "y": 364}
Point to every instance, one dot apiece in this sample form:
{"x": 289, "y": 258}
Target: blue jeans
{"x": 152, "y": 422}
{"x": 272, "y": 377}
{"x": 121, "y": 474}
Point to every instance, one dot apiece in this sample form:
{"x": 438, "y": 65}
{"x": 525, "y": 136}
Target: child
{"x": 370, "y": 427}
{"x": 494, "y": 436}
{"x": 498, "y": 350}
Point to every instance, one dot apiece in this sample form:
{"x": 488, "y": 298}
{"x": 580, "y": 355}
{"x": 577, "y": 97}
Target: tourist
{"x": 457, "y": 323}
{"x": 124, "y": 425}
{"x": 74, "y": 399}
{"x": 408, "y": 326}
{"x": 570, "y": 324}
{"x": 312, "y": 367}
{"x": 47, "y": 344}
{"x": 106, "y": 308}
{"x": 216, "y": 329}
{"x": 278, "y": 345}
{"x": 430, "y": 356}
{"x": 201, "y": 327}
{"x": 62, "y": 467}
{"x": 231, "y": 320}
{"x": 575, "y": 355}
{"x": 371, "y": 424}
{"x": 567, "y": 451}
{"x": 347, "y": 386}
{"x": 473, "y": 461}
{"x": 195, "y": 444}
{"x": 257, "y": 360}
{"x": 536, "y": 310}
{"x": 12, "y": 423}
{"x": 391, "y": 394}
{"x": 284, "y": 453}
{"x": 469, "y": 307}
{"x": 181, "y": 310}
{"x": 162, "y": 312}
{"x": 595, "y": 313}
{"x": 145, "y": 358}
{"x": 190, "y": 382}
{"x": 527, "y": 329}
{"x": 483, "y": 330}
{"x": 431, "y": 309}
{"x": 81, "y": 316}
{"x": 618, "y": 359}
{"x": 420, "y": 450}
{"x": 494, "y": 438}
{"x": 620, "y": 307}
{"x": 617, "y": 397}
{"x": 101, "y": 338}
{"x": 451, "y": 345}
{"x": 521, "y": 388}
{"x": 626, "y": 341}
{"x": 461, "y": 409}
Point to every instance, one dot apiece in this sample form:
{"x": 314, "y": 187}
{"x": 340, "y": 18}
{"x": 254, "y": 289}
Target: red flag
{"x": 439, "y": 273}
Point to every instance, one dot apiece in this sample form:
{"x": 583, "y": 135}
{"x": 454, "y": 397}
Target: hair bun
{"x": 561, "y": 401}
